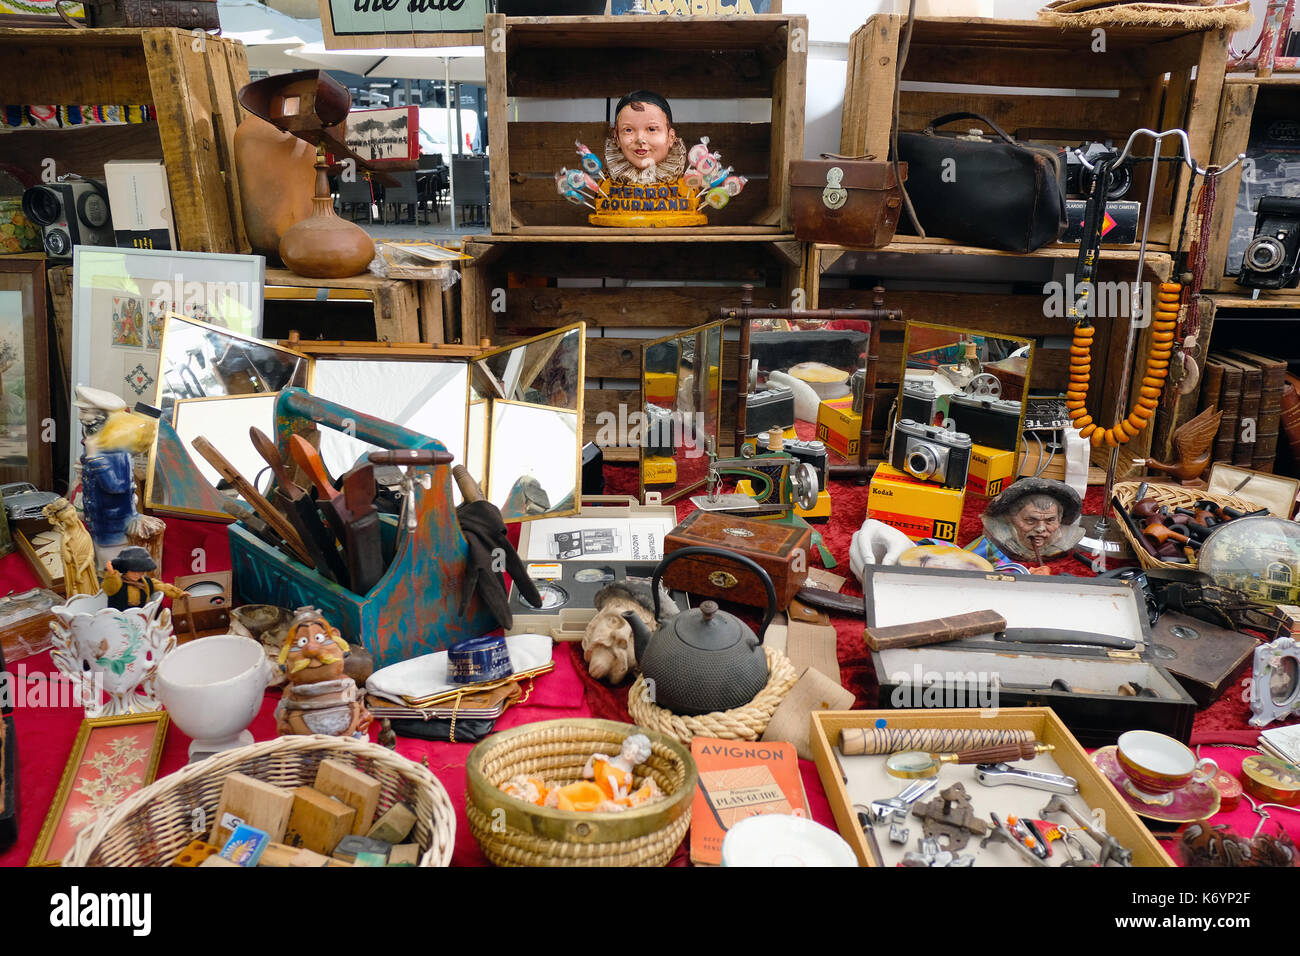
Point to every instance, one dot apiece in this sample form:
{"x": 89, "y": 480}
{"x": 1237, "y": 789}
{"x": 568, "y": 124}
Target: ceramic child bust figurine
{"x": 126, "y": 580}
{"x": 642, "y": 146}
{"x": 319, "y": 698}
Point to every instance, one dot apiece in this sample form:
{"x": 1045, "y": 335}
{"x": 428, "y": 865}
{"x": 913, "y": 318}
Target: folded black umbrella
{"x": 485, "y": 532}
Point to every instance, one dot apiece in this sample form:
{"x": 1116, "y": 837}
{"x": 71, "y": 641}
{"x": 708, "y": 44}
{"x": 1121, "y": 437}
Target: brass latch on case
{"x": 834, "y": 195}
{"x": 1124, "y": 655}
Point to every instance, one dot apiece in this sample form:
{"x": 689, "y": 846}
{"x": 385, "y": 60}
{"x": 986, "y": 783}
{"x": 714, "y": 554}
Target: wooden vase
{"x": 323, "y": 246}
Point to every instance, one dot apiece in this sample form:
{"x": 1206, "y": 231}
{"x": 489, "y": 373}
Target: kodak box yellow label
{"x": 989, "y": 470}
{"x": 917, "y": 508}
{"x": 839, "y": 427}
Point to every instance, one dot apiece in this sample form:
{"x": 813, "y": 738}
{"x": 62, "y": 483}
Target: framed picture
{"x": 120, "y": 303}
{"x": 25, "y": 451}
{"x": 385, "y": 136}
{"x": 112, "y": 758}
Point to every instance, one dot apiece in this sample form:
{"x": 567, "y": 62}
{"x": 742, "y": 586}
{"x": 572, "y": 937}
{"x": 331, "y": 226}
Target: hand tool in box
{"x": 364, "y": 543}
{"x": 1000, "y": 774}
{"x": 309, "y": 460}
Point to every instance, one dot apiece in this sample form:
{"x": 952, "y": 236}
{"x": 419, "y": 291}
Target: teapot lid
{"x": 710, "y": 629}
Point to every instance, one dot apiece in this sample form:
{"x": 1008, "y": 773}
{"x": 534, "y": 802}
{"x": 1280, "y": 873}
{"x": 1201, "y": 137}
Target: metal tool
{"x": 1109, "y": 848}
{"x": 1001, "y": 774}
{"x": 1001, "y": 832}
{"x": 883, "y": 810}
{"x": 913, "y": 764}
{"x": 364, "y": 544}
{"x": 1049, "y": 635}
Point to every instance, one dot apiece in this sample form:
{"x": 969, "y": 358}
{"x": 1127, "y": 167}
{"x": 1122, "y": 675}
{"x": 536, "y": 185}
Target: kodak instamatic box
{"x": 838, "y": 426}
{"x": 919, "y": 509}
{"x": 989, "y": 470}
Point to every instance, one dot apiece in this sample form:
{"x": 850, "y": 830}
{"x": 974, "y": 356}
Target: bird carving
{"x": 1192, "y": 441}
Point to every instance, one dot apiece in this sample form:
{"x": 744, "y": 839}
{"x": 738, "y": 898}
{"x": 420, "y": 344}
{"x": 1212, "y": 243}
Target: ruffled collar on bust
{"x": 622, "y": 171}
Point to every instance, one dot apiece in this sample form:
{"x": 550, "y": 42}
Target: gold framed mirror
{"x": 681, "y": 409}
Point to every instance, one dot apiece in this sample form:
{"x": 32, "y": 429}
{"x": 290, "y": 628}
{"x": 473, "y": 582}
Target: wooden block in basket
{"x": 1172, "y": 496}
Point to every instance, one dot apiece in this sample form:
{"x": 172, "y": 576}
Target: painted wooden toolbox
{"x": 1087, "y": 686}
{"x": 846, "y": 784}
{"x": 413, "y": 608}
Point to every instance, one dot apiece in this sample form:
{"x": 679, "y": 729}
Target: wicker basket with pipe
{"x": 151, "y": 827}
{"x": 1170, "y": 496}
{"x": 512, "y": 832}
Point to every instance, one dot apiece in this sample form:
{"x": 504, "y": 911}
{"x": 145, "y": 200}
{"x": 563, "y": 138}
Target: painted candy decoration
{"x": 590, "y": 161}
{"x": 100, "y": 648}
{"x": 698, "y": 151}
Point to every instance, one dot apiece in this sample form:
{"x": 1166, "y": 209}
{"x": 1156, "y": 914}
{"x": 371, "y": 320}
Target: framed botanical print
{"x": 112, "y": 758}
{"x": 121, "y": 299}
{"x": 26, "y": 429}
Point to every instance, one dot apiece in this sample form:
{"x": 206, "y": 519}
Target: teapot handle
{"x": 750, "y": 563}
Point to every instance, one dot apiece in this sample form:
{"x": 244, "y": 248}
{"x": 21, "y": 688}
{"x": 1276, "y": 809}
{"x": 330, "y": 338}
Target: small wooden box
{"x": 1069, "y": 756}
{"x": 780, "y": 549}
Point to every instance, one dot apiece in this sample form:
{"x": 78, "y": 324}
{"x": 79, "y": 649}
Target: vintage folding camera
{"x": 1272, "y": 260}
{"x": 1078, "y": 177}
{"x": 74, "y": 213}
{"x": 920, "y": 402}
{"x": 994, "y": 423}
{"x": 812, "y": 452}
{"x": 771, "y": 406}
{"x": 931, "y": 453}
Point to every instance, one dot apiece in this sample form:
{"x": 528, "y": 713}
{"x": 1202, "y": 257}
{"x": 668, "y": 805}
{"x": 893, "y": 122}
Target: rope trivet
{"x": 740, "y": 723}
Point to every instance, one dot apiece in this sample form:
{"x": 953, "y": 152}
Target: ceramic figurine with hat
{"x": 128, "y": 584}
{"x": 1034, "y": 520}
{"x": 319, "y": 698}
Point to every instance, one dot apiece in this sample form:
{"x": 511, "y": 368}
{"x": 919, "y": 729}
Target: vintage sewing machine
{"x": 778, "y": 482}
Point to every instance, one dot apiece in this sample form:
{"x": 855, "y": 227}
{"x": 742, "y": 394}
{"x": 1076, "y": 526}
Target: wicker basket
{"x": 513, "y": 832}
{"x": 1171, "y": 496}
{"x": 151, "y": 827}
{"x": 740, "y": 723}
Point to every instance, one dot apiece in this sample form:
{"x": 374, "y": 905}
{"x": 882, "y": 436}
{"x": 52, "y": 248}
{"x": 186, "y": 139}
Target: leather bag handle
{"x": 952, "y": 117}
{"x": 868, "y": 156}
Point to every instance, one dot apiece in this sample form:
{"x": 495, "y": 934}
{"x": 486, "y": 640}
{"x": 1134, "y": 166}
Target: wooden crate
{"x": 720, "y": 57}
{"x": 1012, "y": 307}
{"x": 1120, "y": 821}
{"x": 1244, "y": 97}
{"x": 525, "y": 269}
{"x": 406, "y": 310}
{"x": 1115, "y": 92}
{"x": 191, "y": 81}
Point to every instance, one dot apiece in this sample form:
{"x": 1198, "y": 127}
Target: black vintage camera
{"x": 812, "y": 452}
{"x": 1272, "y": 260}
{"x": 771, "y": 406}
{"x": 1078, "y": 177}
{"x": 73, "y": 213}
{"x": 931, "y": 453}
{"x": 992, "y": 422}
{"x": 920, "y": 402}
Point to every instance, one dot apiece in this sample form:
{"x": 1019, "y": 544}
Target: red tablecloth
{"x": 45, "y": 734}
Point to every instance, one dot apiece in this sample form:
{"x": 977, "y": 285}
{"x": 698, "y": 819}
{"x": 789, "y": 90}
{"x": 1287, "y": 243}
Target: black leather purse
{"x": 991, "y": 192}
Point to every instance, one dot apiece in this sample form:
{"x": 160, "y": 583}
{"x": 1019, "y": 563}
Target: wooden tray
{"x": 1069, "y": 756}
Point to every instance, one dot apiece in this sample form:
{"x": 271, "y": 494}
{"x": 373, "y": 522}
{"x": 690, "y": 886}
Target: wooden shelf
{"x": 1160, "y": 264}
{"x": 402, "y": 306}
{"x": 596, "y": 234}
{"x": 1265, "y": 301}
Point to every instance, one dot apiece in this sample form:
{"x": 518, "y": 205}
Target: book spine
{"x": 1230, "y": 403}
{"x": 1290, "y": 421}
{"x": 1243, "y": 453}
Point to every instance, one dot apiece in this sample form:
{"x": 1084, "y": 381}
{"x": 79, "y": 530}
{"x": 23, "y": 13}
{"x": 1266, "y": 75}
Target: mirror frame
{"x": 988, "y": 334}
{"x": 559, "y": 333}
{"x": 721, "y": 325}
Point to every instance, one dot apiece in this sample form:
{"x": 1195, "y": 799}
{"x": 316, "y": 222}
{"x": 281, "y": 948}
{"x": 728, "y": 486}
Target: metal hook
{"x": 1158, "y": 137}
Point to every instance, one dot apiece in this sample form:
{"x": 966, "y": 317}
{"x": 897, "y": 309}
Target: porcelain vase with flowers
{"x": 114, "y": 653}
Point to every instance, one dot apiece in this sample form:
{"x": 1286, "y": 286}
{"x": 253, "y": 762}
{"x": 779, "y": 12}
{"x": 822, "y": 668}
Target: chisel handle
{"x": 410, "y": 456}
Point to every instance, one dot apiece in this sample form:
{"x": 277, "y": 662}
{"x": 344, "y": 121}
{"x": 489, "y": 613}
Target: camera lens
{"x": 42, "y": 206}
{"x": 1265, "y": 254}
{"x": 1121, "y": 180}
{"x": 57, "y": 243}
{"x": 920, "y": 462}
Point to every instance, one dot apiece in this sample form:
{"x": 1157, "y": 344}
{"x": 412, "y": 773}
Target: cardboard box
{"x": 1119, "y": 229}
{"x": 1094, "y": 790}
{"x": 839, "y": 426}
{"x": 140, "y": 203}
{"x": 989, "y": 470}
{"x": 919, "y": 509}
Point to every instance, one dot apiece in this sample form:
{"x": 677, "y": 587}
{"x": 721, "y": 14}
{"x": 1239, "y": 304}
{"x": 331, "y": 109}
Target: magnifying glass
{"x": 919, "y": 764}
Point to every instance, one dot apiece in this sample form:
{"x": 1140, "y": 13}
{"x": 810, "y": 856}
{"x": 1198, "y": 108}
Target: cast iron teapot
{"x": 703, "y": 660}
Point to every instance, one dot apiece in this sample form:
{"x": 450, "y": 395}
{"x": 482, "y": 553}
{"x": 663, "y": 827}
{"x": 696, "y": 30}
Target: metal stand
{"x": 1103, "y": 542}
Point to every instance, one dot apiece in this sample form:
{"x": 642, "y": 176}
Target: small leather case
{"x": 846, "y": 200}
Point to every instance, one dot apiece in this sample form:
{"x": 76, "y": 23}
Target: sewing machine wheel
{"x": 803, "y": 486}
{"x": 985, "y": 385}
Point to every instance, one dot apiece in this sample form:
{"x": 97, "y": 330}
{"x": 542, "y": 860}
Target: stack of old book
{"x": 1252, "y": 391}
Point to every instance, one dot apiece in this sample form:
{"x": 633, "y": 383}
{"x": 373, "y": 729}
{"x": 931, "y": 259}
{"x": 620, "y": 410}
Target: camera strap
{"x": 1094, "y": 222}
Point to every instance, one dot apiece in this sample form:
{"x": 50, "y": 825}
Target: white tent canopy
{"x": 267, "y": 35}
{"x": 460, "y": 64}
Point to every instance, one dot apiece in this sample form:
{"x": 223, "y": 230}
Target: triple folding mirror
{"x": 512, "y": 416}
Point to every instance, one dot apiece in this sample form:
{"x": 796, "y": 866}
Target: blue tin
{"x": 479, "y": 659}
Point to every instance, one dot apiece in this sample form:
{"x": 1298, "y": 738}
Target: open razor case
{"x": 1098, "y": 691}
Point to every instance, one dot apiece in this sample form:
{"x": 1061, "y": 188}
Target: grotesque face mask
{"x": 1036, "y": 524}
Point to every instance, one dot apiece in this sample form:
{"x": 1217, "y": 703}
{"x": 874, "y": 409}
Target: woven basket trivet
{"x": 741, "y": 723}
{"x": 511, "y": 847}
{"x": 1089, "y": 13}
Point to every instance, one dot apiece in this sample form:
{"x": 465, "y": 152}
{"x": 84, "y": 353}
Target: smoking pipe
{"x": 1161, "y": 533}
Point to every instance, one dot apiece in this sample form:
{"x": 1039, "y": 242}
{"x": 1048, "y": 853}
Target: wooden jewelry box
{"x": 779, "y": 549}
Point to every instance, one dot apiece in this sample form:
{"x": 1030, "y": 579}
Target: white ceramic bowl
{"x": 776, "y": 839}
{"x": 213, "y": 687}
